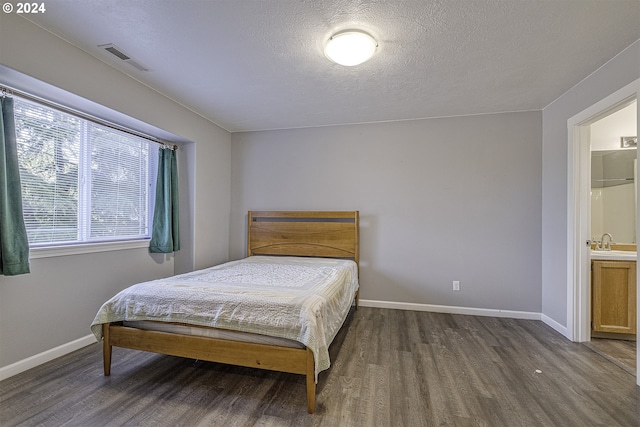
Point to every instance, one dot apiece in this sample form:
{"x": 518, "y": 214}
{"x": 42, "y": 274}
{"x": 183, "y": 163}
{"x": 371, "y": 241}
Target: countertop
{"x": 614, "y": 255}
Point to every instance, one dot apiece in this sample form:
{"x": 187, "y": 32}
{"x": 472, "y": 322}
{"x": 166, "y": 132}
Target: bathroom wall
{"x": 613, "y": 211}
{"x": 613, "y": 206}
{"x": 606, "y": 132}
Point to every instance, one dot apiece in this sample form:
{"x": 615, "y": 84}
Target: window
{"x": 82, "y": 182}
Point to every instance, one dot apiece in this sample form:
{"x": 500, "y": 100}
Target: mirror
{"x": 613, "y": 194}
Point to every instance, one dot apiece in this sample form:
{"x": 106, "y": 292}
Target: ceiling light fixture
{"x": 351, "y": 47}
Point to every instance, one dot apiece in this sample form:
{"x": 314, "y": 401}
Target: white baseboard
{"x": 555, "y": 325}
{"x": 453, "y": 309}
{"x": 45, "y": 356}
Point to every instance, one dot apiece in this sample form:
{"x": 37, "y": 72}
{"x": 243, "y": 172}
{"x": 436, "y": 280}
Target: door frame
{"x": 578, "y": 225}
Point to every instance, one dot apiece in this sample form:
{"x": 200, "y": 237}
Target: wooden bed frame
{"x": 314, "y": 234}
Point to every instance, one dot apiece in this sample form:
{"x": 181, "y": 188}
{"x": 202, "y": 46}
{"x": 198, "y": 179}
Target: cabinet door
{"x": 614, "y": 296}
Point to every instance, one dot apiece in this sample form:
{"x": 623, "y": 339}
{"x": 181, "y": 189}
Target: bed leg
{"x": 311, "y": 382}
{"x": 357, "y": 298}
{"x": 106, "y": 350}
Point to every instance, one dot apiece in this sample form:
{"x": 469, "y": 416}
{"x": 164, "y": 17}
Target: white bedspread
{"x": 303, "y": 299}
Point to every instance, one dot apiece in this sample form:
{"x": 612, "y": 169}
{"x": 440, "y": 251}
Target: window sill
{"x": 86, "y": 248}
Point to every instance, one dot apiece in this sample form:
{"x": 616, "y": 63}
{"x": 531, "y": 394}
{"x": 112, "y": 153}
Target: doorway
{"x": 579, "y": 215}
{"x": 613, "y": 217}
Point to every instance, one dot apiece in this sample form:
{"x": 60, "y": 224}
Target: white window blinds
{"x": 82, "y": 181}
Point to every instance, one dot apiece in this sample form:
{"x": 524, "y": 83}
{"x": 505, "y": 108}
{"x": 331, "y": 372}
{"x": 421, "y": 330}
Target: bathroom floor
{"x": 620, "y": 352}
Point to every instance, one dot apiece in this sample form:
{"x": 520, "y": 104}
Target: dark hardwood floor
{"x": 616, "y": 351}
{"x": 389, "y": 368}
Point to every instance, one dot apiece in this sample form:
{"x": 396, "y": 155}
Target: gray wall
{"x": 56, "y": 303}
{"x": 440, "y": 200}
{"x": 617, "y": 73}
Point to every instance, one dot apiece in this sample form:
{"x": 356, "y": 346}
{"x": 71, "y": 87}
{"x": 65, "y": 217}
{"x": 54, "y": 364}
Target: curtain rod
{"x": 8, "y": 91}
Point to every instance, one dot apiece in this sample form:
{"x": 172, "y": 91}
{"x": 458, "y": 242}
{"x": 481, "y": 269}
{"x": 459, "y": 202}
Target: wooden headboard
{"x": 299, "y": 233}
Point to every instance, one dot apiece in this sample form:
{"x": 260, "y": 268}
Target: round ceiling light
{"x": 351, "y": 47}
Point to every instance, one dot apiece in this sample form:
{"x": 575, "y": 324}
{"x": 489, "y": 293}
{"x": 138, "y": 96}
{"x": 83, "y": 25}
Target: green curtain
{"x": 165, "y": 234}
{"x": 14, "y": 246}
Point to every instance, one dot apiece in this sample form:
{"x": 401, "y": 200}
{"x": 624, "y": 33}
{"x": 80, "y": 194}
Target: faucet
{"x": 603, "y": 246}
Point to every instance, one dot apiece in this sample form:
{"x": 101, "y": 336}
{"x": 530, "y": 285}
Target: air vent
{"x": 117, "y": 52}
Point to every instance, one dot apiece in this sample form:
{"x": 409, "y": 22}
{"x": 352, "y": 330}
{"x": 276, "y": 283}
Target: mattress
{"x": 295, "y": 298}
{"x": 212, "y": 333}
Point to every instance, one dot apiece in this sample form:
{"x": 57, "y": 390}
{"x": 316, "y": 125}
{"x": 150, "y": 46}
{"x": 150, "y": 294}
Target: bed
{"x": 304, "y": 264}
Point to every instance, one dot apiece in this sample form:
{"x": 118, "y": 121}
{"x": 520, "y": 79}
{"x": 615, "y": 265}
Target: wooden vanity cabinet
{"x": 613, "y": 299}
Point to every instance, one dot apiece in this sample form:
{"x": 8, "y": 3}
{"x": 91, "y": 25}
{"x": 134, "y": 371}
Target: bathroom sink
{"x": 613, "y": 255}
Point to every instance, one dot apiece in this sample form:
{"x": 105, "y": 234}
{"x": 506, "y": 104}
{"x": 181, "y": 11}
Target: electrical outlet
{"x": 456, "y": 285}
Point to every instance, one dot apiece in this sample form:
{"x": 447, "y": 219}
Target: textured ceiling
{"x": 257, "y": 64}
